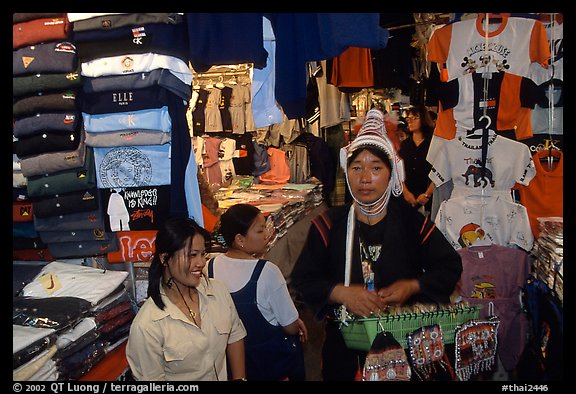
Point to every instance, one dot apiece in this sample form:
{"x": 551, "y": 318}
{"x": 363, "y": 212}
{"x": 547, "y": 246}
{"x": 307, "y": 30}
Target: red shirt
{"x": 544, "y": 195}
{"x": 39, "y": 30}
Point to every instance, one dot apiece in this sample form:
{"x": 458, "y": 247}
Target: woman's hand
{"x": 302, "y": 331}
{"x": 399, "y": 292}
{"x": 423, "y": 199}
{"x": 358, "y": 300}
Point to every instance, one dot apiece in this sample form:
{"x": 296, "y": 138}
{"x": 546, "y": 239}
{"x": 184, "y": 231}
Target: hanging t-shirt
{"x": 298, "y": 162}
{"x": 279, "y": 169}
{"x": 263, "y": 107}
{"x": 334, "y": 104}
{"x": 244, "y": 156}
{"x": 226, "y": 153}
{"x": 544, "y": 196}
{"x": 508, "y": 103}
{"x": 353, "y": 69}
{"x": 508, "y": 162}
{"x": 496, "y": 274}
{"x": 224, "y": 107}
{"x": 547, "y": 116}
{"x": 555, "y": 34}
{"x": 261, "y": 159}
{"x": 238, "y": 100}
{"x": 211, "y": 160}
{"x": 462, "y": 47}
{"x": 212, "y": 117}
{"x": 475, "y": 220}
{"x": 199, "y": 150}
{"x": 198, "y": 113}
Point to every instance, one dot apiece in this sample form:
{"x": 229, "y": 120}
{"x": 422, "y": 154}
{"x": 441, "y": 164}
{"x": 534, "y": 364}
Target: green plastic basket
{"x": 359, "y": 333}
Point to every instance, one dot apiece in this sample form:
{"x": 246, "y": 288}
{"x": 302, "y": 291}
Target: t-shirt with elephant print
{"x": 507, "y": 162}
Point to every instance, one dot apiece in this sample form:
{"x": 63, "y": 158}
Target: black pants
{"x": 338, "y": 362}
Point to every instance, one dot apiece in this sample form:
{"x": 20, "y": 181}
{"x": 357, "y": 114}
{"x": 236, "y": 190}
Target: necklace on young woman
{"x": 191, "y": 313}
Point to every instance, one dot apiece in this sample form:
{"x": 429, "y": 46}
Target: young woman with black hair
{"x": 188, "y": 328}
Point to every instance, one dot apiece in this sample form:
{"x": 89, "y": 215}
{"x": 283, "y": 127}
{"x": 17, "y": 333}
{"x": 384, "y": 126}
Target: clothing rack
{"x": 441, "y": 19}
{"x": 222, "y": 74}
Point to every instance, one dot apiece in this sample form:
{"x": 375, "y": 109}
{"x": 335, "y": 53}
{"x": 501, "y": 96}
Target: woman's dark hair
{"x": 375, "y": 151}
{"x": 237, "y": 220}
{"x": 170, "y": 238}
{"x": 426, "y": 121}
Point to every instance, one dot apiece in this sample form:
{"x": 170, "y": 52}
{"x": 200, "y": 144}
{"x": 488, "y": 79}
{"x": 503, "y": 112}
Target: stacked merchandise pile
{"x": 66, "y": 319}
{"x": 302, "y": 199}
{"x": 32, "y": 353}
{"x": 544, "y": 302}
{"x": 548, "y": 255}
{"x": 136, "y": 84}
{"x": 283, "y": 205}
{"x": 54, "y": 170}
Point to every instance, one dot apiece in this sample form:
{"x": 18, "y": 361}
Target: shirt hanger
{"x": 220, "y": 83}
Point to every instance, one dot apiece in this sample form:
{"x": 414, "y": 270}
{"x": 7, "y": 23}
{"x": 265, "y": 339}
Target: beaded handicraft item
{"x": 476, "y": 344}
{"x": 426, "y": 349}
{"x": 386, "y": 360}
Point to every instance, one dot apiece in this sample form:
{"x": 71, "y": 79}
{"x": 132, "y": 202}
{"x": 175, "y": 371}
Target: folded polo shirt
{"x": 160, "y": 76}
{"x": 110, "y": 22}
{"x": 46, "y": 142}
{"x": 124, "y": 100}
{"x": 46, "y": 83}
{"x": 97, "y": 234}
{"x": 48, "y": 57}
{"x": 135, "y": 63}
{"x": 48, "y": 163}
{"x": 133, "y": 166}
{"x": 74, "y": 179}
{"x": 64, "y": 101}
{"x": 40, "y": 30}
{"x": 88, "y": 220}
{"x": 46, "y": 121}
{"x": 78, "y": 201}
{"x": 151, "y": 119}
{"x": 127, "y": 138}
{"x": 59, "y": 279}
{"x": 152, "y": 37}
{"x": 110, "y": 34}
